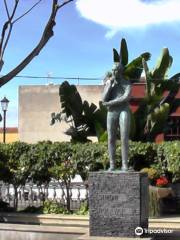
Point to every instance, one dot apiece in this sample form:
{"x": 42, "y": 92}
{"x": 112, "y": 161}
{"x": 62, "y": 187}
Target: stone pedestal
{"x": 118, "y": 203}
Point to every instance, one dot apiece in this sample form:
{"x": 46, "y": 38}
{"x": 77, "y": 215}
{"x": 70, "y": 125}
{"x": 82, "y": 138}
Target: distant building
{"x": 11, "y": 134}
{"x": 138, "y": 92}
{"x": 36, "y": 103}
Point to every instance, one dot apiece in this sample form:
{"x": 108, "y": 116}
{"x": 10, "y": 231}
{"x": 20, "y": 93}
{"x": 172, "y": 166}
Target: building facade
{"x": 11, "y": 134}
{"x": 36, "y": 103}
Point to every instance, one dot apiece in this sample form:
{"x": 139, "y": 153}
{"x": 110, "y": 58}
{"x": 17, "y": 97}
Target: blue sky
{"x": 85, "y": 33}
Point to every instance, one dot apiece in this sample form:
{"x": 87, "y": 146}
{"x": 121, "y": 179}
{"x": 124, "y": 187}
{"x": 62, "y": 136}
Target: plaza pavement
{"x": 59, "y": 227}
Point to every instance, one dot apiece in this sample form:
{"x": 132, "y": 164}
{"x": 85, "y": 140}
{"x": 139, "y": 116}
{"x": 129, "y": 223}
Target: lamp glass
{"x": 4, "y": 104}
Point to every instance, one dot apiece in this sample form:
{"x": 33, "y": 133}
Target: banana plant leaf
{"x": 152, "y": 114}
{"x": 116, "y": 57}
{"x": 101, "y": 133}
{"x": 82, "y": 115}
{"x": 89, "y": 116}
{"x": 134, "y": 69}
{"x": 71, "y": 102}
{"x": 147, "y": 78}
{"x": 123, "y": 52}
{"x": 163, "y": 65}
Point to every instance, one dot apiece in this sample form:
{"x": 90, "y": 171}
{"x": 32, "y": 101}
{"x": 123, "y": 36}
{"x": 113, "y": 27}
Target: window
{"x": 173, "y": 129}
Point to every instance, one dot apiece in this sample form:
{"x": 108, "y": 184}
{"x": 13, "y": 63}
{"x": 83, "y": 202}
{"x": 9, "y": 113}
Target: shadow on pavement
{"x": 168, "y": 236}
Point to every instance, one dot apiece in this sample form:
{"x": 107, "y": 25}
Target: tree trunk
{"x": 68, "y": 200}
{"x": 15, "y": 202}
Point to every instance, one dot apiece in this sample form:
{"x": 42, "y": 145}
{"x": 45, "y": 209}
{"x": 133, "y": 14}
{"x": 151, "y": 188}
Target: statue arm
{"x": 124, "y": 98}
{"x": 107, "y": 90}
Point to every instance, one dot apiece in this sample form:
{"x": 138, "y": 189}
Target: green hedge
{"x": 21, "y": 162}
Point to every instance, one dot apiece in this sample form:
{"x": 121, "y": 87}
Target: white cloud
{"x": 120, "y": 14}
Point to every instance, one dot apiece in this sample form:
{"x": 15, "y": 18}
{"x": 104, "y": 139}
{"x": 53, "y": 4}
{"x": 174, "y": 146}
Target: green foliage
{"x": 115, "y": 55}
{"x": 71, "y": 101}
{"x": 168, "y": 160}
{"x": 163, "y": 65}
{"x": 141, "y": 155}
{"x": 153, "y": 174}
{"x": 53, "y": 207}
{"x": 40, "y": 157}
{"x": 4, "y": 171}
{"x": 4, "y": 206}
{"x": 18, "y": 167}
{"x": 90, "y": 157}
{"x": 62, "y": 161}
{"x": 63, "y": 168}
{"x": 48, "y": 207}
{"x": 152, "y": 114}
{"x": 132, "y": 70}
{"x": 32, "y": 209}
{"x": 44, "y": 160}
{"x": 84, "y": 209}
{"x": 84, "y": 118}
{"x": 123, "y": 52}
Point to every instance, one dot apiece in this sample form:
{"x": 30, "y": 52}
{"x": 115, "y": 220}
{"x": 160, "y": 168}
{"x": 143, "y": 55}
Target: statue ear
{"x": 116, "y": 57}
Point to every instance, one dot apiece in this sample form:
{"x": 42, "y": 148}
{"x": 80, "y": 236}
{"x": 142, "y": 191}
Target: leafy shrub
{"x": 41, "y": 157}
{"x": 39, "y": 163}
{"x": 84, "y": 209}
{"x": 168, "y": 160}
{"x": 141, "y": 155}
{"x": 32, "y": 209}
{"x": 3, "y": 162}
{"x": 152, "y": 174}
{"x": 49, "y": 207}
{"x": 54, "y": 207}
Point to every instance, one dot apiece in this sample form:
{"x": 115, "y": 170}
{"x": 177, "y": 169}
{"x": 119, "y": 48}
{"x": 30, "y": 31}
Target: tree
{"x": 155, "y": 108}
{"x": 17, "y": 167}
{"x": 7, "y": 29}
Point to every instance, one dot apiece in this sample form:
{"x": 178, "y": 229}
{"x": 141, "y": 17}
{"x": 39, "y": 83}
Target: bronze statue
{"x": 116, "y": 96}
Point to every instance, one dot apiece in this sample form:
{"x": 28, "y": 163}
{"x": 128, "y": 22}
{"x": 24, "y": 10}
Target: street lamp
{"x": 4, "y": 105}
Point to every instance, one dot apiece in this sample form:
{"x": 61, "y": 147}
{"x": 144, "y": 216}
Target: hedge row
{"x": 39, "y": 162}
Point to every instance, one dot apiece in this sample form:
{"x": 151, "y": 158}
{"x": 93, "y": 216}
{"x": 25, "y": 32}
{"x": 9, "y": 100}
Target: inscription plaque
{"x": 118, "y": 203}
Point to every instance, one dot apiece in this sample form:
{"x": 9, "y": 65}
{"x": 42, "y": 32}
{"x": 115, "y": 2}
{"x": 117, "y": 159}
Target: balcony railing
{"x": 33, "y": 195}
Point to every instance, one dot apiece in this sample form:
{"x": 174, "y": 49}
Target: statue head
{"x": 117, "y": 70}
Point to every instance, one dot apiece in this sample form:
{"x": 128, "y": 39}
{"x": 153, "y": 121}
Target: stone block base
{"x": 118, "y": 203}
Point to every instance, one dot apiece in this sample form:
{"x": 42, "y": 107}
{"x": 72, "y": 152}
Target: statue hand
{"x": 109, "y": 83}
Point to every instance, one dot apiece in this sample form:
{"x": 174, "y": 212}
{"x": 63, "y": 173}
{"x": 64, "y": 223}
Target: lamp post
{"x": 4, "y": 105}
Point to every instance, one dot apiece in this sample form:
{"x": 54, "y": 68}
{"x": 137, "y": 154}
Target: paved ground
{"x": 12, "y": 235}
{"x": 67, "y": 230}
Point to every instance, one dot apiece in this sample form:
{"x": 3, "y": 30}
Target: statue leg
{"x": 124, "y": 123}
{"x": 112, "y": 125}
